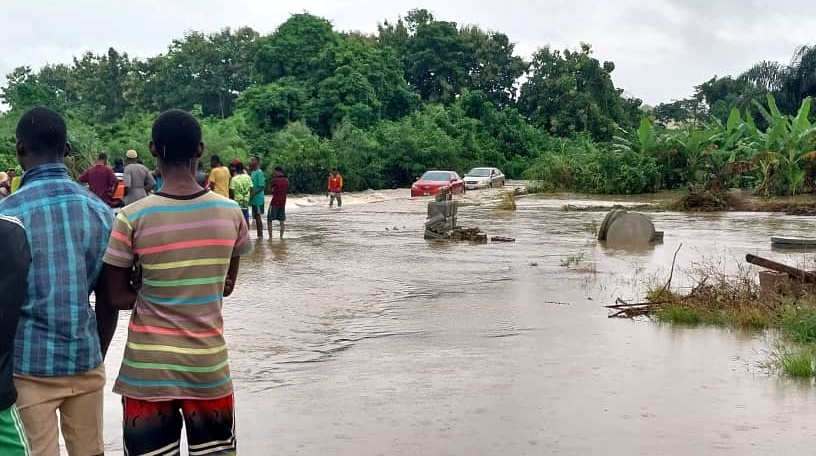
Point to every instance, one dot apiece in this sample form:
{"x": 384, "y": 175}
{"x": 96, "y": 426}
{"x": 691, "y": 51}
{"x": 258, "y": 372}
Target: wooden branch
{"x": 671, "y": 272}
{"x": 638, "y": 304}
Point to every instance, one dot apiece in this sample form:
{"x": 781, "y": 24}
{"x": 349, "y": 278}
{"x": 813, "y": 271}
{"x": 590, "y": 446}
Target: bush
{"x": 584, "y": 166}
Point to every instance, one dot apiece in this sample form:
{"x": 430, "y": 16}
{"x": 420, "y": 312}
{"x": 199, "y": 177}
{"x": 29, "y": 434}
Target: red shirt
{"x": 100, "y": 179}
{"x": 335, "y": 184}
{"x": 280, "y": 187}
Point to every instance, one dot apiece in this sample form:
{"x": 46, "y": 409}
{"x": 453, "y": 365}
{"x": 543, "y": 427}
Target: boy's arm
{"x": 106, "y": 314}
{"x": 232, "y": 275}
{"x": 115, "y": 287}
{"x": 114, "y": 284}
{"x": 242, "y": 246}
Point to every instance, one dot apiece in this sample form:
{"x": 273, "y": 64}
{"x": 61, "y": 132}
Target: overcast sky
{"x": 661, "y": 48}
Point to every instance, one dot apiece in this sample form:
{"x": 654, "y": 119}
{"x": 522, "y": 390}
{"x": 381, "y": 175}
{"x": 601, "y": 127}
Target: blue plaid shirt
{"x": 68, "y": 229}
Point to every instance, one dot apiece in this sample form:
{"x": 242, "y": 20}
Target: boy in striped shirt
{"x": 186, "y": 241}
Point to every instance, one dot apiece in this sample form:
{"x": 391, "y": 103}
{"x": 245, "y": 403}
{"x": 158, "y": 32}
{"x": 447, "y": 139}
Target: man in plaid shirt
{"x": 60, "y": 340}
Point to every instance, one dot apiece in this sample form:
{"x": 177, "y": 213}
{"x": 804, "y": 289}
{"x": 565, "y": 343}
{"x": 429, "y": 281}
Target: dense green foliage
{"x": 421, "y": 93}
{"x": 424, "y": 93}
{"x": 755, "y": 130}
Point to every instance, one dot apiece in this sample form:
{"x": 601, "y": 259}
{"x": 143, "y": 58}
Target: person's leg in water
{"x": 257, "y": 211}
{"x": 331, "y": 199}
{"x": 339, "y": 200}
{"x": 282, "y": 227}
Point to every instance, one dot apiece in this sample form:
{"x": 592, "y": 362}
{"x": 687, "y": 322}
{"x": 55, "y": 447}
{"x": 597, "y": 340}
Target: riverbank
{"x": 731, "y": 201}
{"x": 740, "y": 303}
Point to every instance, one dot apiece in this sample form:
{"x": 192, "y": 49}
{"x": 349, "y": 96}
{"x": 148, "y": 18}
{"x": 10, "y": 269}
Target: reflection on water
{"x": 279, "y": 250}
{"x": 352, "y": 338}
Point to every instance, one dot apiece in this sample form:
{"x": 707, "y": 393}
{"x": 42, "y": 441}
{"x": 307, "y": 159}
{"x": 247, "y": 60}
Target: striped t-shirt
{"x": 175, "y": 347}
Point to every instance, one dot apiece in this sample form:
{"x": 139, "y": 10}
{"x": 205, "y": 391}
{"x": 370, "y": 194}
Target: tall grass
{"x": 796, "y": 364}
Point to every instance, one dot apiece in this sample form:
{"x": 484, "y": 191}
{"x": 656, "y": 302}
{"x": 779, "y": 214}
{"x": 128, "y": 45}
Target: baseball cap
{"x": 131, "y": 154}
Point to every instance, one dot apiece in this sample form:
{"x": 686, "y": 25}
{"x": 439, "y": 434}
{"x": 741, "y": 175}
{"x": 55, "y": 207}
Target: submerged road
{"x": 355, "y": 337}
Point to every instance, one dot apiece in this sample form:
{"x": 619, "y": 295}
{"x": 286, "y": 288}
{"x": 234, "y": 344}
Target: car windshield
{"x": 479, "y": 172}
{"x": 436, "y": 176}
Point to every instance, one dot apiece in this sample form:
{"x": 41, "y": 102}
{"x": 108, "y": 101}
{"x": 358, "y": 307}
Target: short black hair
{"x": 278, "y": 168}
{"x": 43, "y": 131}
{"x": 118, "y": 161}
{"x": 239, "y": 167}
{"x": 215, "y": 159}
{"x": 176, "y": 136}
{"x": 102, "y": 156}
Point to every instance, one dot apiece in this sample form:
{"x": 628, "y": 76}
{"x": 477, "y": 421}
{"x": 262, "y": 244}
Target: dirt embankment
{"x": 708, "y": 201}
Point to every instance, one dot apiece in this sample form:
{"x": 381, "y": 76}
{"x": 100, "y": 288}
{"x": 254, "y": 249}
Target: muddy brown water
{"x": 353, "y": 338}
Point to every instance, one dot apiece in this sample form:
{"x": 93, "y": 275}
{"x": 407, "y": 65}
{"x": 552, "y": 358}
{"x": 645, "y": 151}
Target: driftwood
{"x": 795, "y": 273}
{"x": 624, "y": 309}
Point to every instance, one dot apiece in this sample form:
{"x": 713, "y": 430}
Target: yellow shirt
{"x": 15, "y": 183}
{"x": 220, "y": 179}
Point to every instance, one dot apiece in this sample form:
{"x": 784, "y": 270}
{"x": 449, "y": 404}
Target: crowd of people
{"x": 164, "y": 243}
{"x": 129, "y": 181}
{"x": 170, "y": 257}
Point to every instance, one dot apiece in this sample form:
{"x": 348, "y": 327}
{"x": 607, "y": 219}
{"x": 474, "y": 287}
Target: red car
{"x": 432, "y": 181}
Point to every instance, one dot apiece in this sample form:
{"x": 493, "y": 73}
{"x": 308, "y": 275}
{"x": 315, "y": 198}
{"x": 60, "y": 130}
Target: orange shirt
{"x": 336, "y": 184}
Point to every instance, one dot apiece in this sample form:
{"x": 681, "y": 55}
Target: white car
{"x": 484, "y": 178}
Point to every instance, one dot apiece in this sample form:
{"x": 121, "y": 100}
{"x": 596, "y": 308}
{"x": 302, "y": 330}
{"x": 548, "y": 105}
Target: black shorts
{"x": 257, "y": 210}
{"x": 276, "y": 213}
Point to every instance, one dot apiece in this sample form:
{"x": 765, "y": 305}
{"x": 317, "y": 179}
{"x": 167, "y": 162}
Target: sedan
{"x": 432, "y": 181}
{"x": 483, "y": 178}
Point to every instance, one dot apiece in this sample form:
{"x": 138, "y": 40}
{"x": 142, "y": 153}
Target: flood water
{"x": 355, "y": 337}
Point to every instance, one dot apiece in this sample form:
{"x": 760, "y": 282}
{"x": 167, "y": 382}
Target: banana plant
{"x": 784, "y": 147}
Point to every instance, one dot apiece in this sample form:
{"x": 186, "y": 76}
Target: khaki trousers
{"x": 79, "y": 401}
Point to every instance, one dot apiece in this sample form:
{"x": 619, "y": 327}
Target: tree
{"x": 573, "y": 92}
{"x": 96, "y": 85}
{"x": 364, "y": 81}
{"x": 23, "y": 90}
{"x": 437, "y": 61}
{"x": 273, "y": 106}
{"x": 208, "y": 70}
{"x": 494, "y": 69}
{"x": 293, "y": 50}
{"x": 723, "y": 94}
{"x": 677, "y": 111}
